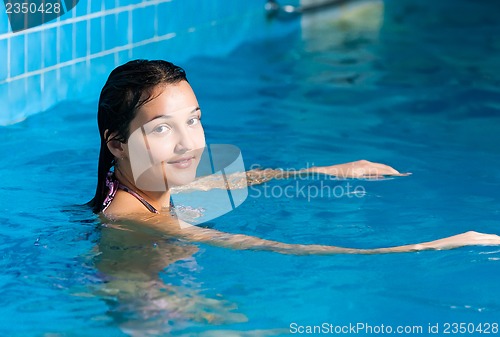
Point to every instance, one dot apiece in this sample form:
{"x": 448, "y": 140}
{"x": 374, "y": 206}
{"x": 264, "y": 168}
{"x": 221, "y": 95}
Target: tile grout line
{"x": 87, "y": 35}
{"x": 8, "y": 59}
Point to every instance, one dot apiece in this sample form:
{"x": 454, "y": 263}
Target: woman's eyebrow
{"x": 170, "y": 116}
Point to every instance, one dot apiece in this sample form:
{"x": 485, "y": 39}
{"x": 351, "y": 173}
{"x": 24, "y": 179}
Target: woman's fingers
{"x": 482, "y": 238}
{"x": 370, "y": 169}
{"x": 464, "y": 239}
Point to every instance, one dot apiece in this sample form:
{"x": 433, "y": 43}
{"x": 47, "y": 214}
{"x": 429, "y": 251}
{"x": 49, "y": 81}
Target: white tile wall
{"x": 106, "y": 33}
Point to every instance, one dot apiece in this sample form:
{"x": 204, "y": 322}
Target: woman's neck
{"x": 159, "y": 200}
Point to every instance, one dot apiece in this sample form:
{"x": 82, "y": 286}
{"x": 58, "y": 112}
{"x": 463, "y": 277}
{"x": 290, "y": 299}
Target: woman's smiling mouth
{"x": 183, "y": 162}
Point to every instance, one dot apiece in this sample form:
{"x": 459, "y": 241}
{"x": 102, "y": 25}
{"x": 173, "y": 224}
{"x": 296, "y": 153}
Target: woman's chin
{"x": 181, "y": 181}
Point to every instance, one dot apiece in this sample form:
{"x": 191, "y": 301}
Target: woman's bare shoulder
{"x": 124, "y": 204}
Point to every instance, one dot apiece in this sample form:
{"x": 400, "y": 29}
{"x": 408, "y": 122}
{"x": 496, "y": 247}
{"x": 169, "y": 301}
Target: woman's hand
{"x": 359, "y": 169}
{"x": 465, "y": 239}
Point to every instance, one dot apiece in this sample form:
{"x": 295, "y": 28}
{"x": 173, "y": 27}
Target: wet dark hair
{"x": 128, "y": 87}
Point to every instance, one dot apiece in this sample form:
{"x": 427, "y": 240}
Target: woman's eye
{"x": 194, "y": 121}
{"x": 161, "y": 129}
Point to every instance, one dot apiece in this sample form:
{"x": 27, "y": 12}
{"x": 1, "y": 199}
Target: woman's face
{"x": 167, "y": 139}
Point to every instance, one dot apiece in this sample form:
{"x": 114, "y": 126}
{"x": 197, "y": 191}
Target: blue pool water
{"x": 422, "y": 95}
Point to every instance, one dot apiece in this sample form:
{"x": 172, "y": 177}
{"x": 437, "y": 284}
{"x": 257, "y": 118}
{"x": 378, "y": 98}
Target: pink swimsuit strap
{"x": 114, "y": 185}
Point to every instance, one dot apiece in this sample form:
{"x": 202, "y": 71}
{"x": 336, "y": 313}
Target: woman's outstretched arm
{"x": 239, "y": 241}
{"x": 357, "y": 169}
{"x": 247, "y": 242}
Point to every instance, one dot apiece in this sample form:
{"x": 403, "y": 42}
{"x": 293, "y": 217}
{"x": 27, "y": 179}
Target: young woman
{"x": 152, "y": 102}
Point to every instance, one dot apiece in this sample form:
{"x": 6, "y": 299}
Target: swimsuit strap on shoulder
{"x": 141, "y": 199}
{"x": 114, "y": 185}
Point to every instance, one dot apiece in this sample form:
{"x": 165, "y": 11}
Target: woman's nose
{"x": 185, "y": 142}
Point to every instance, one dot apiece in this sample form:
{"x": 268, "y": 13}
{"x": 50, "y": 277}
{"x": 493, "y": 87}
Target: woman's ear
{"x": 114, "y": 146}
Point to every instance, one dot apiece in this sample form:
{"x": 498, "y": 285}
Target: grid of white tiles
{"x": 69, "y": 57}
{"x": 47, "y": 30}
{"x": 32, "y": 62}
